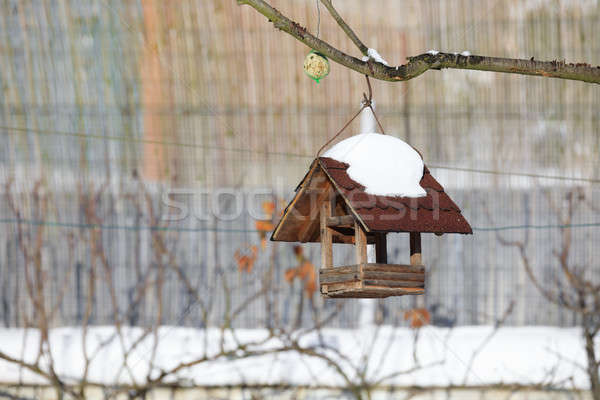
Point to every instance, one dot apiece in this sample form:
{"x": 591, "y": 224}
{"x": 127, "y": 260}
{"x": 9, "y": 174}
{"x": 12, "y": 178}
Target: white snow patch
{"x": 383, "y": 164}
{"x": 465, "y": 53}
{"x": 522, "y": 355}
{"x": 433, "y": 52}
{"x": 374, "y": 55}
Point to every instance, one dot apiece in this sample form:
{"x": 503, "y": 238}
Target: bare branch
{"x": 419, "y": 64}
{"x": 345, "y": 27}
{"x": 521, "y": 245}
{"x": 10, "y": 396}
{"x": 497, "y": 325}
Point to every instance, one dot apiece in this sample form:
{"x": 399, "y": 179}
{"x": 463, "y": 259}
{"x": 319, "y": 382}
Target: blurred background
{"x": 112, "y": 110}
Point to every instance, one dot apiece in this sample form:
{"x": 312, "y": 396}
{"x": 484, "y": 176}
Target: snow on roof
{"x": 383, "y": 164}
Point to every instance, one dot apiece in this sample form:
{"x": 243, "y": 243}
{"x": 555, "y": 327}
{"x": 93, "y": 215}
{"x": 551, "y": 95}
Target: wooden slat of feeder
{"x": 349, "y": 273}
{"x": 339, "y": 278}
{"x": 372, "y": 280}
{"x": 341, "y": 238}
{"x": 346, "y": 235}
{"x": 362, "y": 292}
{"x": 340, "y": 270}
{"x": 393, "y": 284}
{"x": 401, "y": 276}
{"x": 300, "y": 205}
{"x": 341, "y": 220}
{"x": 344, "y": 286}
{"x": 376, "y": 271}
{"x": 418, "y": 269}
{"x": 322, "y": 189}
{"x": 357, "y": 290}
{"x": 306, "y": 231}
{"x": 326, "y": 236}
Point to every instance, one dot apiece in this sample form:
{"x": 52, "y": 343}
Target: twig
{"x": 345, "y": 27}
{"x": 488, "y": 338}
{"x": 10, "y": 396}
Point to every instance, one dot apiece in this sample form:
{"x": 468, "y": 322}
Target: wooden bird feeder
{"x": 329, "y": 207}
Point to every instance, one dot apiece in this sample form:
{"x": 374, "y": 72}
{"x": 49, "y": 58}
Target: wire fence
{"x": 200, "y": 98}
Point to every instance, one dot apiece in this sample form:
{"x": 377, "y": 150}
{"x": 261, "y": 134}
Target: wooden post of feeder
{"x": 326, "y": 235}
{"x": 360, "y": 244}
{"x": 415, "y": 248}
{"x": 415, "y": 259}
{"x": 381, "y": 248}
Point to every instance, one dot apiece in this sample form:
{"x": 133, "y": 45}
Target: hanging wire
{"x": 63, "y": 224}
{"x": 367, "y": 102}
{"x": 340, "y": 131}
{"x": 98, "y": 136}
{"x": 318, "y": 18}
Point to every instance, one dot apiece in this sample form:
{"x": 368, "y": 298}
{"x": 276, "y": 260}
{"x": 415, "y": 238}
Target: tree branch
{"x": 345, "y": 27}
{"x": 419, "y": 64}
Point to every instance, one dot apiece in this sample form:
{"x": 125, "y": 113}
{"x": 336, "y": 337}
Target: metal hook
{"x": 367, "y": 101}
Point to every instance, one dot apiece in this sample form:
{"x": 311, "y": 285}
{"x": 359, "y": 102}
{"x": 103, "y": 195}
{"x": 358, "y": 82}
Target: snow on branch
{"x": 419, "y": 64}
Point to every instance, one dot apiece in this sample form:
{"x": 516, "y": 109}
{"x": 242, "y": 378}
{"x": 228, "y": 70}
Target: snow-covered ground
{"x": 524, "y": 356}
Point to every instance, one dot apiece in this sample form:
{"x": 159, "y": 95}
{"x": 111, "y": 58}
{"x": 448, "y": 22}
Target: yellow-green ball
{"x": 316, "y": 65}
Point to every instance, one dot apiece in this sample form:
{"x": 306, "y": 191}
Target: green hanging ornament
{"x": 316, "y": 65}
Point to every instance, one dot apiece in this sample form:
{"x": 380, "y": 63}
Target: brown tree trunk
{"x": 592, "y": 363}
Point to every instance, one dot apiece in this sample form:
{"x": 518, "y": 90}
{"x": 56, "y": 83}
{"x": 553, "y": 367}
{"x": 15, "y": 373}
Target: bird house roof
{"x": 434, "y": 213}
